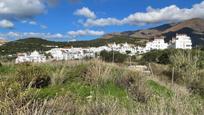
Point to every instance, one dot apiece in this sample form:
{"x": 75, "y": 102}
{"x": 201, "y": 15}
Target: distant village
{"x": 181, "y": 41}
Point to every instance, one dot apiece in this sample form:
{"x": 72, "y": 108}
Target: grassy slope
{"x": 91, "y": 87}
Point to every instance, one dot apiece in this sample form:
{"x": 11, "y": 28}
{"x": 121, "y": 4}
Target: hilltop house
{"x": 182, "y": 41}
{"x": 33, "y": 57}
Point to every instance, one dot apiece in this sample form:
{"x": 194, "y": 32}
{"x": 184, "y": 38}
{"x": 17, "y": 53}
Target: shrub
{"x": 105, "y": 106}
{"x": 158, "y": 56}
{"x": 98, "y": 72}
{"x": 151, "y": 56}
{"x": 185, "y": 66}
{"x": 135, "y": 85}
{"x": 113, "y": 56}
{"x": 137, "y": 93}
{"x": 163, "y": 56}
{"x": 32, "y": 76}
{"x": 126, "y": 79}
{"x": 77, "y": 72}
{"x": 59, "y": 76}
{"x": 197, "y": 86}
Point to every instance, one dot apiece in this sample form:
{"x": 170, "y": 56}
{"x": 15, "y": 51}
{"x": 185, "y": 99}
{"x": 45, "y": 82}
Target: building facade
{"x": 182, "y": 41}
{"x": 33, "y": 57}
{"x": 156, "y": 44}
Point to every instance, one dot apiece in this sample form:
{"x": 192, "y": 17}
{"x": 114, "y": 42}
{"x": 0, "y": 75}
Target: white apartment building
{"x": 156, "y": 44}
{"x": 183, "y": 42}
{"x": 33, "y": 57}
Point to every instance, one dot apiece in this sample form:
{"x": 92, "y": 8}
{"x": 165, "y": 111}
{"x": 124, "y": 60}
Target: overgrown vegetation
{"x": 164, "y": 56}
{"x": 113, "y": 56}
{"x": 94, "y": 87}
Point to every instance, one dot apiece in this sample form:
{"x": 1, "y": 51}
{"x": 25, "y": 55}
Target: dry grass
{"x": 129, "y": 92}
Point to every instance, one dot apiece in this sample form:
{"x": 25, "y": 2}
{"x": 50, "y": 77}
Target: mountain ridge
{"x": 193, "y": 28}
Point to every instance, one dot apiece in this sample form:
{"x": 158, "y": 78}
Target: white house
{"x": 140, "y": 50}
{"x": 72, "y": 53}
{"x": 182, "y": 42}
{"x": 56, "y": 53}
{"x": 156, "y": 44}
{"x": 33, "y": 57}
{"x": 123, "y": 48}
{"x": 21, "y": 57}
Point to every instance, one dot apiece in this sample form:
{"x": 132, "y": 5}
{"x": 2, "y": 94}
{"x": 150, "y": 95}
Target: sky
{"x": 70, "y": 20}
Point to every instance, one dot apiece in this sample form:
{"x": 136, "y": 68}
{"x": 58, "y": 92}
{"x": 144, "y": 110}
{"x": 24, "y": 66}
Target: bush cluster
{"x": 32, "y": 76}
{"x": 113, "y": 56}
{"x": 163, "y": 56}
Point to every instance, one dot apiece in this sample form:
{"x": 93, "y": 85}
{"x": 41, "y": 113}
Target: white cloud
{"x": 102, "y": 22}
{"x": 33, "y": 22}
{"x": 6, "y": 24}
{"x": 69, "y": 35}
{"x": 43, "y": 26}
{"x": 24, "y": 21}
{"x": 167, "y": 14}
{"x": 85, "y": 33}
{"x": 86, "y": 12}
{"x": 20, "y": 35}
{"x": 21, "y": 8}
{"x": 42, "y": 35}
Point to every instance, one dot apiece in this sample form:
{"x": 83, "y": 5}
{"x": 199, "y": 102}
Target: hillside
{"x": 195, "y": 24}
{"x": 193, "y": 28}
{"x": 27, "y": 45}
{"x": 31, "y": 44}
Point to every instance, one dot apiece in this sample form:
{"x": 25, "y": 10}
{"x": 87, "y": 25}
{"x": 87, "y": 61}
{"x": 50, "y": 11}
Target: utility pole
{"x": 113, "y": 60}
{"x": 172, "y": 77}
